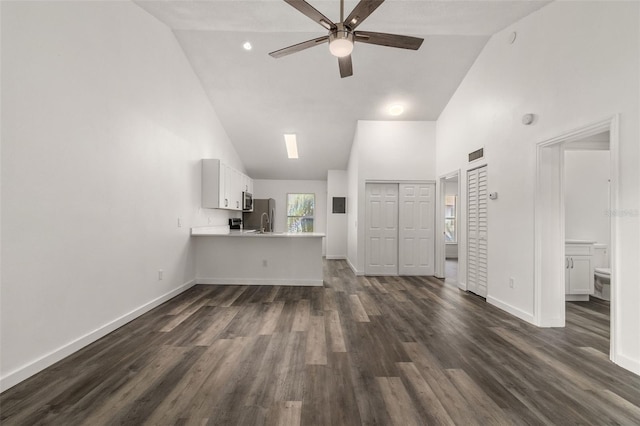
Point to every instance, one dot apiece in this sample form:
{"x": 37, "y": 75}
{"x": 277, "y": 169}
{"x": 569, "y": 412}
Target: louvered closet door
{"x": 477, "y": 227}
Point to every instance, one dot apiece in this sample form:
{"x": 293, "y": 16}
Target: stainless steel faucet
{"x": 264, "y": 214}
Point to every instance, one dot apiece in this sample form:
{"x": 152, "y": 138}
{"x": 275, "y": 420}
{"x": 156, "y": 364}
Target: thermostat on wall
{"x": 493, "y": 195}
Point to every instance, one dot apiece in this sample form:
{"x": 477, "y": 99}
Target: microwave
{"x": 247, "y": 202}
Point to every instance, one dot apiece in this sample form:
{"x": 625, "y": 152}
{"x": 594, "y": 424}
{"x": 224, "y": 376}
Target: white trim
{"x": 612, "y": 125}
{"x": 24, "y": 372}
{"x": 399, "y": 181}
{"x": 353, "y": 268}
{"x": 335, "y": 257}
{"x": 630, "y": 364}
{"x": 260, "y": 281}
{"x": 614, "y": 265}
{"x": 517, "y": 312}
{"x": 440, "y": 257}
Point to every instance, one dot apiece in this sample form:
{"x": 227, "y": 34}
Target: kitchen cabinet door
{"x": 247, "y": 184}
{"x": 221, "y": 186}
{"x": 580, "y": 275}
{"x": 213, "y": 184}
{"x": 234, "y": 189}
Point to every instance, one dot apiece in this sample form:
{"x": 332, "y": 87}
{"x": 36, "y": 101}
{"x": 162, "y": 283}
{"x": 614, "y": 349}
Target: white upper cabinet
{"x": 222, "y": 185}
{"x": 247, "y": 184}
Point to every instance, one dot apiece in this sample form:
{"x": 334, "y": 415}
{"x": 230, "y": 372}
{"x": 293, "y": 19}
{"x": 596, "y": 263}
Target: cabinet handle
{"x": 226, "y": 202}
{"x": 237, "y": 204}
{"x": 572, "y": 263}
{"x": 566, "y": 263}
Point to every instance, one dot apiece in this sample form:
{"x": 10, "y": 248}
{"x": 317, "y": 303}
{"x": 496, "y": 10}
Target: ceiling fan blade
{"x": 361, "y": 12}
{"x": 391, "y": 40}
{"x": 346, "y": 67}
{"x": 298, "y": 47}
{"x": 308, "y": 10}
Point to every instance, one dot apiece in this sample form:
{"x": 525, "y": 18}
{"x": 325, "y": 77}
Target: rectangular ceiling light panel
{"x": 292, "y": 145}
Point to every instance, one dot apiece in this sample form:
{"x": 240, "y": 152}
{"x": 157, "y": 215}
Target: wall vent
{"x": 475, "y": 155}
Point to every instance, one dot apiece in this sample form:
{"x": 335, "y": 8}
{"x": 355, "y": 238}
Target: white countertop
{"x": 217, "y": 231}
{"x": 580, "y": 242}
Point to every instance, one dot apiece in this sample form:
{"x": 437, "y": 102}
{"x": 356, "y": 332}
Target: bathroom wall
{"x": 586, "y": 175}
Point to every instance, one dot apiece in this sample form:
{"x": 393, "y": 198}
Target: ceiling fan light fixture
{"x": 341, "y": 42}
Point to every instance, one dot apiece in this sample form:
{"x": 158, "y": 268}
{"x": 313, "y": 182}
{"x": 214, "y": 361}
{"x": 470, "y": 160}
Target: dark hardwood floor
{"x": 365, "y": 350}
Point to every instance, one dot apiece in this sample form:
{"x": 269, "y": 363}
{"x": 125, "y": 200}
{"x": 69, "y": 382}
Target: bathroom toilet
{"x": 602, "y": 283}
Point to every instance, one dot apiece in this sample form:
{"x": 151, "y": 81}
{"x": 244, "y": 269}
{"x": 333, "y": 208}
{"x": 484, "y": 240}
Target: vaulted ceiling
{"x": 259, "y": 98}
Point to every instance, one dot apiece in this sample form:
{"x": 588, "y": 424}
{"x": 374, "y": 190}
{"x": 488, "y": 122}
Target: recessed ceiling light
{"x": 396, "y": 109}
{"x": 247, "y": 45}
{"x": 292, "y": 145}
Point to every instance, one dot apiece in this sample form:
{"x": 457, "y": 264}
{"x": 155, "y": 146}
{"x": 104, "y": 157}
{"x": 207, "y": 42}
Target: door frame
{"x": 549, "y": 227}
{"x": 440, "y": 249}
{"x": 466, "y": 229}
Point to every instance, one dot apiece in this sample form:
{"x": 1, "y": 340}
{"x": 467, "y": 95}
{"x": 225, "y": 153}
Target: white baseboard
{"x": 627, "y": 363}
{"x": 260, "y": 281}
{"x": 353, "y": 268}
{"x": 517, "y": 312}
{"x": 22, "y": 373}
{"x": 336, "y": 257}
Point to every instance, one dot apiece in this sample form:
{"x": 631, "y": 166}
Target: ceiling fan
{"x": 342, "y": 35}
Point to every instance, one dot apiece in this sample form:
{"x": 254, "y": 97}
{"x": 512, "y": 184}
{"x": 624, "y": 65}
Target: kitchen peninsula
{"x": 253, "y": 258}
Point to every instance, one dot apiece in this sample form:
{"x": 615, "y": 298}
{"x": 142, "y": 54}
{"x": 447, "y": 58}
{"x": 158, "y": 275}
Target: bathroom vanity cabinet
{"x": 578, "y": 265}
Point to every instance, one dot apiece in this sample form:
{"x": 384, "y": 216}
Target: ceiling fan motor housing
{"x": 341, "y": 41}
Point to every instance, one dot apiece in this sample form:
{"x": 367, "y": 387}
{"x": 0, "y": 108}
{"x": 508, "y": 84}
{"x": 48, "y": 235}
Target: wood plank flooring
{"x": 360, "y": 350}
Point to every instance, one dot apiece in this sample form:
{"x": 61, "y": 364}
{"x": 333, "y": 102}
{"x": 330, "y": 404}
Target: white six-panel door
{"x": 477, "y": 228}
{"x": 416, "y": 228}
{"x": 381, "y": 229}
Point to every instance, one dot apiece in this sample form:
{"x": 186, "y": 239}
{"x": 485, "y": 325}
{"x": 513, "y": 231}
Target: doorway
{"x": 551, "y": 231}
{"x": 451, "y": 214}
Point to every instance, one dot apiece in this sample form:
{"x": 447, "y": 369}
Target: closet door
{"x": 416, "y": 228}
{"x": 477, "y": 197}
{"x": 381, "y": 229}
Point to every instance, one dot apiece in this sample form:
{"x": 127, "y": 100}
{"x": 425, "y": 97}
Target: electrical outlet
{"x": 209, "y": 220}
{"x": 160, "y": 274}
{"x": 264, "y": 263}
{"x": 511, "y": 282}
{"x": 179, "y": 223}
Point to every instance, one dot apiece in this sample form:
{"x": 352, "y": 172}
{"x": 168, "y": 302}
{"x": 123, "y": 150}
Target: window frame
{"x": 453, "y": 218}
{"x": 312, "y": 217}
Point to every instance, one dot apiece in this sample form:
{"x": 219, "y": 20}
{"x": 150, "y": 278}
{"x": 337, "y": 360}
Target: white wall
{"x": 337, "y": 186}
{"x": 278, "y": 190}
{"x": 586, "y": 189}
{"x": 103, "y": 127}
{"x": 572, "y": 64}
{"x": 353, "y": 172}
{"x": 385, "y": 150}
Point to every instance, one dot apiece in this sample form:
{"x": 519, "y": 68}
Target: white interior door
{"x": 416, "y": 228}
{"x": 381, "y": 229}
{"x": 477, "y": 199}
